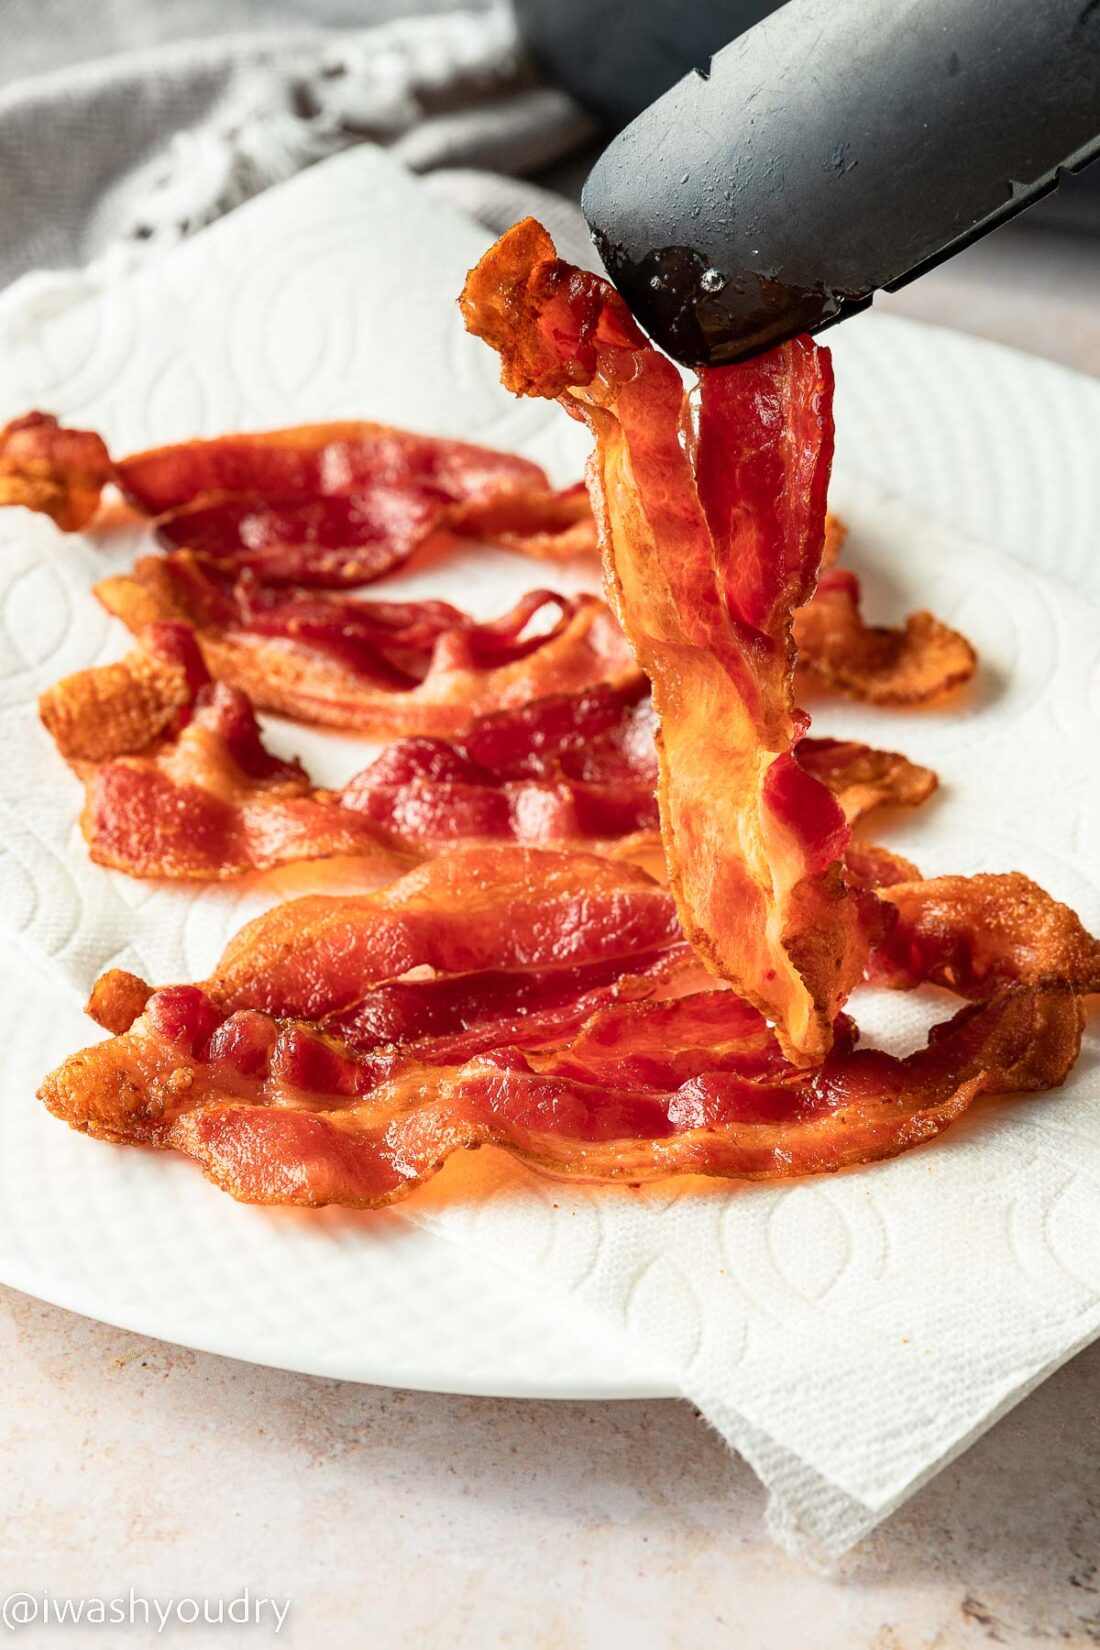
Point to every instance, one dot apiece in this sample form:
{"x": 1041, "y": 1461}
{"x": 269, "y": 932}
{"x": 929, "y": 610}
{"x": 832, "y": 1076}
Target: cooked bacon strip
{"x": 483, "y": 922}
{"x": 862, "y": 778}
{"x": 910, "y": 666}
{"x": 179, "y": 784}
{"x": 377, "y": 668}
{"x": 478, "y": 908}
{"x": 51, "y": 469}
{"x": 711, "y": 540}
{"x": 343, "y": 504}
{"x": 714, "y": 1123}
{"x": 982, "y": 934}
{"x": 277, "y": 1110}
{"x": 124, "y": 708}
{"x": 322, "y": 504}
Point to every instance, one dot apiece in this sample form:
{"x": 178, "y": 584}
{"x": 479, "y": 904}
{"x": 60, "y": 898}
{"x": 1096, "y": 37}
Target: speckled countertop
{"x": 404, "y": 1519}
{"x": 395, "y": 1519}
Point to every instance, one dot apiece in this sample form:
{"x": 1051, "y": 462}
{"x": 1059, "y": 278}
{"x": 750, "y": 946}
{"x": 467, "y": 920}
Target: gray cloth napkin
{"x": 103, "y": 162}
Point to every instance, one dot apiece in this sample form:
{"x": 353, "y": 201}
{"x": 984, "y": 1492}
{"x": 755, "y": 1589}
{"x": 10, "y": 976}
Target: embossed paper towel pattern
{"x": 847, "y": 1335}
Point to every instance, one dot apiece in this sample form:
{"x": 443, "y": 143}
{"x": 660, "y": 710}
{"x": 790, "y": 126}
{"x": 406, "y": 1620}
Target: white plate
{"x": 140, "y": 1241}
{"x": 989, "y": 440}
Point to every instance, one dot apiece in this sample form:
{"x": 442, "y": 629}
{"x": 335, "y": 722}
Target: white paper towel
{"x": 847, "y": 1335}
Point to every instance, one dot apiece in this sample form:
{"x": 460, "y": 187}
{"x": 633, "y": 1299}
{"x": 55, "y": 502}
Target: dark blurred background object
{"x": 617, "y": 56}
{"x": 121, "y": 119}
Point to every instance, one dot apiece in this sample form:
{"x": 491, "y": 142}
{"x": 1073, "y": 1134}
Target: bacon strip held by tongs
{"x": 712, "y": 530}
{"x": 345, "y": 1047}
{"x": 374, "y": 667}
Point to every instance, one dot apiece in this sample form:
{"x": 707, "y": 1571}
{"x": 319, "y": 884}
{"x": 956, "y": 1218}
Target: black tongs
{"x": 839, "y": 147}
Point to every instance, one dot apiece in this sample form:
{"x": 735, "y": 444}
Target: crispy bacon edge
{"x": 56, "y": 471}
{"x": 914, "y": 665}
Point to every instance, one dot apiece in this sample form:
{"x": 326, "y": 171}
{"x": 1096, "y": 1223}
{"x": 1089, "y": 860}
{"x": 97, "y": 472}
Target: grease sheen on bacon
{"x": 283, "y": 1077}
{"x": 712, "y": 531}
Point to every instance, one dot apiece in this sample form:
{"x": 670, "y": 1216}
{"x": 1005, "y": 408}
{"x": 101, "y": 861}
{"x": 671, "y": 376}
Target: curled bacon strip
{"x": 342, "y": 504}
{"x": 179, "y": 783}
{"x": 574, "y": 1125}
{"x": 376, "y": 668}
{"x": 911, "y": 666}
{"x": 862, "y": 778}
{"x": 345, "y": 504}
{"x": 321, "y": 504}
{"x": 711, "y": 536}
{"x": 980, "y": 934}
{"x": 444, "y": 1014}
{"x": 57, "y": 471}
